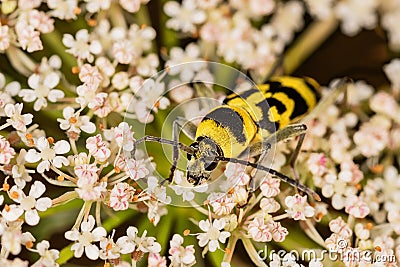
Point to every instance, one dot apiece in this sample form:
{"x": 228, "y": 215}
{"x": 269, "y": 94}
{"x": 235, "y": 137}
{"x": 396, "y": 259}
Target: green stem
{"x": 307, "y": 43}
{"x": 230, "y": 247}
{"x": 251, "y": 251}
{"x": 64, "y": 198}
{"x": 314, "y": 235}
{"x": 117, "y": 16}
{"x": 20, "y": 61}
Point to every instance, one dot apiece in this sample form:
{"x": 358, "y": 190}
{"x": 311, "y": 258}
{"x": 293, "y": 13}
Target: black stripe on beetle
{"x": 228, "y": 118}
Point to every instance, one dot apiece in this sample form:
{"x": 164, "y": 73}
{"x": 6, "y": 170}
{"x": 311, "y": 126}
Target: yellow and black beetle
{"x": 247, "y": 123}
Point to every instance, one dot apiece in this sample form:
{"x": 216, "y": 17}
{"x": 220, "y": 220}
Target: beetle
{"x": 247, "y": 123}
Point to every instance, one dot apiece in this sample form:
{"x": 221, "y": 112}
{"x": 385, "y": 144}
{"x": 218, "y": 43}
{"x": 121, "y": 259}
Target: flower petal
{"x": 58, "y": 161}
{"x": 13, "y": 213}
{"x": 43, "y": 203}
{"x": 32, "y": 217}
{"x": 72, "y": 235}
{"x": 32, "y": 156}
{"x": 43, "y": 166}
{"x": 42, "y": 143}
{"x": 92, "y": 252}
{"x": 61, "y": 147}
{"x": 78, "y": 247}
{"x": 99, "y": 233}
{"x": 51, "y": 80}
{"x": 37, "y": 189}
{"x": 55, "y": 94}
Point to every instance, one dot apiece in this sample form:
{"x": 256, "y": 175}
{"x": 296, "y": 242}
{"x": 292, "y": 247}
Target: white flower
{"x": 373, "y": 136}
{"x": 132, "y": 242}
{"x": 390, "y": 22}
{"x": 75, "y": 123}
{"x": 28, "y": 38}
{"x": 184, "y": 188}
{"x": 63, "y": 9}
{"x": 392, "y": 71}
{"x": 340, "y": 227}
{"x": 84, "y": 239}
{"x": 357, "y": 207}
{"x": 287, "y": 19}
{"x": 147, "y": 66}
{"x": 136, "y": 168}
{"x": 357, "y": 92}
{"x": 361, "y": 231}
{"x": 180, "y": 255}
{"x": 86, "y": 173}
{"x": 156, "y": 260}
{"x": 20, "y": 173}
{"x": 213, "y": 234}
{"x": 124, "y": 136}
{"x": 234, "y": 42}
{"x": 17, "y": 120}
{"x": 48, "y": 154}
{"x": 86, "y": 95}
{"x": 82, "y": 47}
{"x": 159, "y": 192}
{"x": 121, "y": 195}
{"x": 94, "y": 6}
{"x": 42, "y": 89}
{"x": 184, "y": 17}
{"x": 16, "y": 262}
{"x": 270, "y": 186}
{"x": 123, "y": 52}
{"x": 92, "y": 192}
{"x": 221, "y": 203}
{"x": 322, "y": 9}
{"x": 255, "y": 8}
{"x": 155, "y": 210}
{"x": 4, "y": 37}
{"x": 131, "y": 5}
{"x": 186, "y": 62}
{"x": 12, "y": 237}
{"x": 98, "y": 148}
{"x": 356, "y": 14}
{"x": 120, "y": 80}
{"x": 48, "y": 256}
{"x": 337, "y": 189}
{"x": 108, "y": 249}
{"x": 41, "y": 21}
{"x": 7, "y": 91}
{"x": 150, "y": 99}
{"x": 299, "y": 209}
{"x": 90, "y": 76}
{"x": 260, "y": 229}
{"x": 235, "y": 173}
{"x": 269, "y": 205}
{"x": 128, "y": 47}
{"x": 6, "y": 151}
{"x": 30, "y": 204}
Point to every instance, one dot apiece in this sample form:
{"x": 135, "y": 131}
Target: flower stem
{"x": 64, "y": 198}
{"x": 230, "y": 248}
{"x": 20, "y": 61}
{"x": 253, "y": 253}
{"x": 72, "y": 179}
{"x": 307, "y": 43}
{"x": 73, "y": 146}
{"x": 314, "y": 234}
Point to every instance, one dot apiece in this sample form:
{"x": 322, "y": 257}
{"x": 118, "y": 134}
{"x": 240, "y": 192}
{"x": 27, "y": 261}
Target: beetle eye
{"x": 211, "y": 166}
